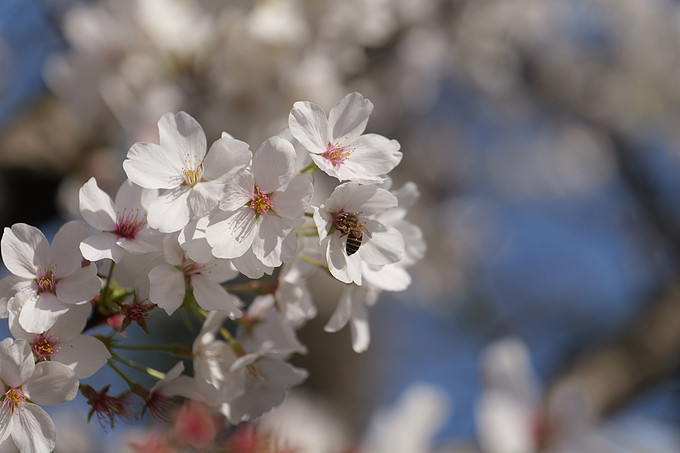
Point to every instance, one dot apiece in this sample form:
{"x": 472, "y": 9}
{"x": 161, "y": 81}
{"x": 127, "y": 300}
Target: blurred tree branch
{"x": 607, "y": 377}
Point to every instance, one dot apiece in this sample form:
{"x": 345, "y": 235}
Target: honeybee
{"x": 348, "y": 224}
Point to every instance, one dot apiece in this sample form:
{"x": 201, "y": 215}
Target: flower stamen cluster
{"x": 45, "y": 345}
{"x": 260, "y": 202}
{"x": 193, "y": 171}
{"x": 14, "y": 399}
{"x": 129, "y": 222}
{"x": 337, "y": 152}
{"x": 46, "y": 279}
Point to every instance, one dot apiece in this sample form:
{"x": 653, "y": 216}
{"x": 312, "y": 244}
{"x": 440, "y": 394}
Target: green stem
{"x": 313, "y": 261}
{"x": 311, "y": 168}
{"x": 106, "y": 291}
{"x": 174, "y": 349}
{"x": 146, "y": 370}
{"x": 121, "y": 374}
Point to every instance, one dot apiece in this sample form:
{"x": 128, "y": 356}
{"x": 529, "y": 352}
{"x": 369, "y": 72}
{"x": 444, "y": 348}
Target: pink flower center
{"x": 260, "y": 202}
{"x": 45, "y": 345}
{"x": 47, "y": 281}
{"x": 190, "y": 267}
{"x": 14, "y": 399}
{"x": 336, "y": 152}
{"x": 128, "y": 223}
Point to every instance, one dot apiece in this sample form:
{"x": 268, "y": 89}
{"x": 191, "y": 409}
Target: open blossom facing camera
{"x": 192, "y": 179}
{"x": 64, "y": 343}
{"x": 50, "y": 279}
{"x": 26, "y": 386}
{"x": 336, "y": 143}
{"x": 261, "y": 206}
{"x": 122, "y": 223}
{"x": 351, "y": 236}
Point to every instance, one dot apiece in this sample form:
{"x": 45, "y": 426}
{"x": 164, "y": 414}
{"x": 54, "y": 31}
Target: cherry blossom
{"x": 337, "y": 143}
{"x": 248, "y": 383}
{"x": 193, "y": 179}
{"x": 122, "y": 223}
{"x": 26, "y": 386}
{"x": 64, "y": 343}
{"x": 380, "y": 245}
{"x": 261, "y": 206}
{"x": 48, "y": 279}
{"x": 352, "y": 309}
{"x": 169, "y": 281}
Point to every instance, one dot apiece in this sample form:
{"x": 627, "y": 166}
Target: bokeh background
{"x": 542, "y": 134}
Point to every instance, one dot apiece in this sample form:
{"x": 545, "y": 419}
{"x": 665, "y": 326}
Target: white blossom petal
{"x": 39, "y": 313}
{"x": 291, "y": 204}
{"x": 250, "y": 266}
{"x": 384, "y": 246}
{"x": 205, "y": 196}
{"x": 238, "y": 190}
{"x": 372, "y": 156}
{"x": 24, "y": 248}
{"x": 231, "y": 233}
{"x": 101, "y": 246}
{"x": 171, "y": 210}
{"x": 83, "y": 354}
{"x": 33, "y": 430}
{"x": 212, "y": 297}
{"x": 273, "y": 164}
{"x": 51, "y": 383}
{"x": 349, "y": 117}
{"x": 80, "y": 286}
{"x": 96, "y": 206}
{"x": 17, "y": 362}
{"x": 309, "y": 126}
{"x": 268, "y": 244}
{"x": 167, "y": 287}
{"x": 225, "y": 155}
{"x": 65, "y": 252}
{"x": 182, "y": 135}
{"x": 151, "y": 166}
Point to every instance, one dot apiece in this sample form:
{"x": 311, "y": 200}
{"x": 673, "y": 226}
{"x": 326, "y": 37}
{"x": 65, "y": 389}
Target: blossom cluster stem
{"x": 311, "y": 168}
{"x": 146, "y": 370}
{"x": 174, "y": 349}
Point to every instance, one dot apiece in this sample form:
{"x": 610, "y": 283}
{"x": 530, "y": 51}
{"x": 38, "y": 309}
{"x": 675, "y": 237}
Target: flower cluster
{"x": 211, "y": 225}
